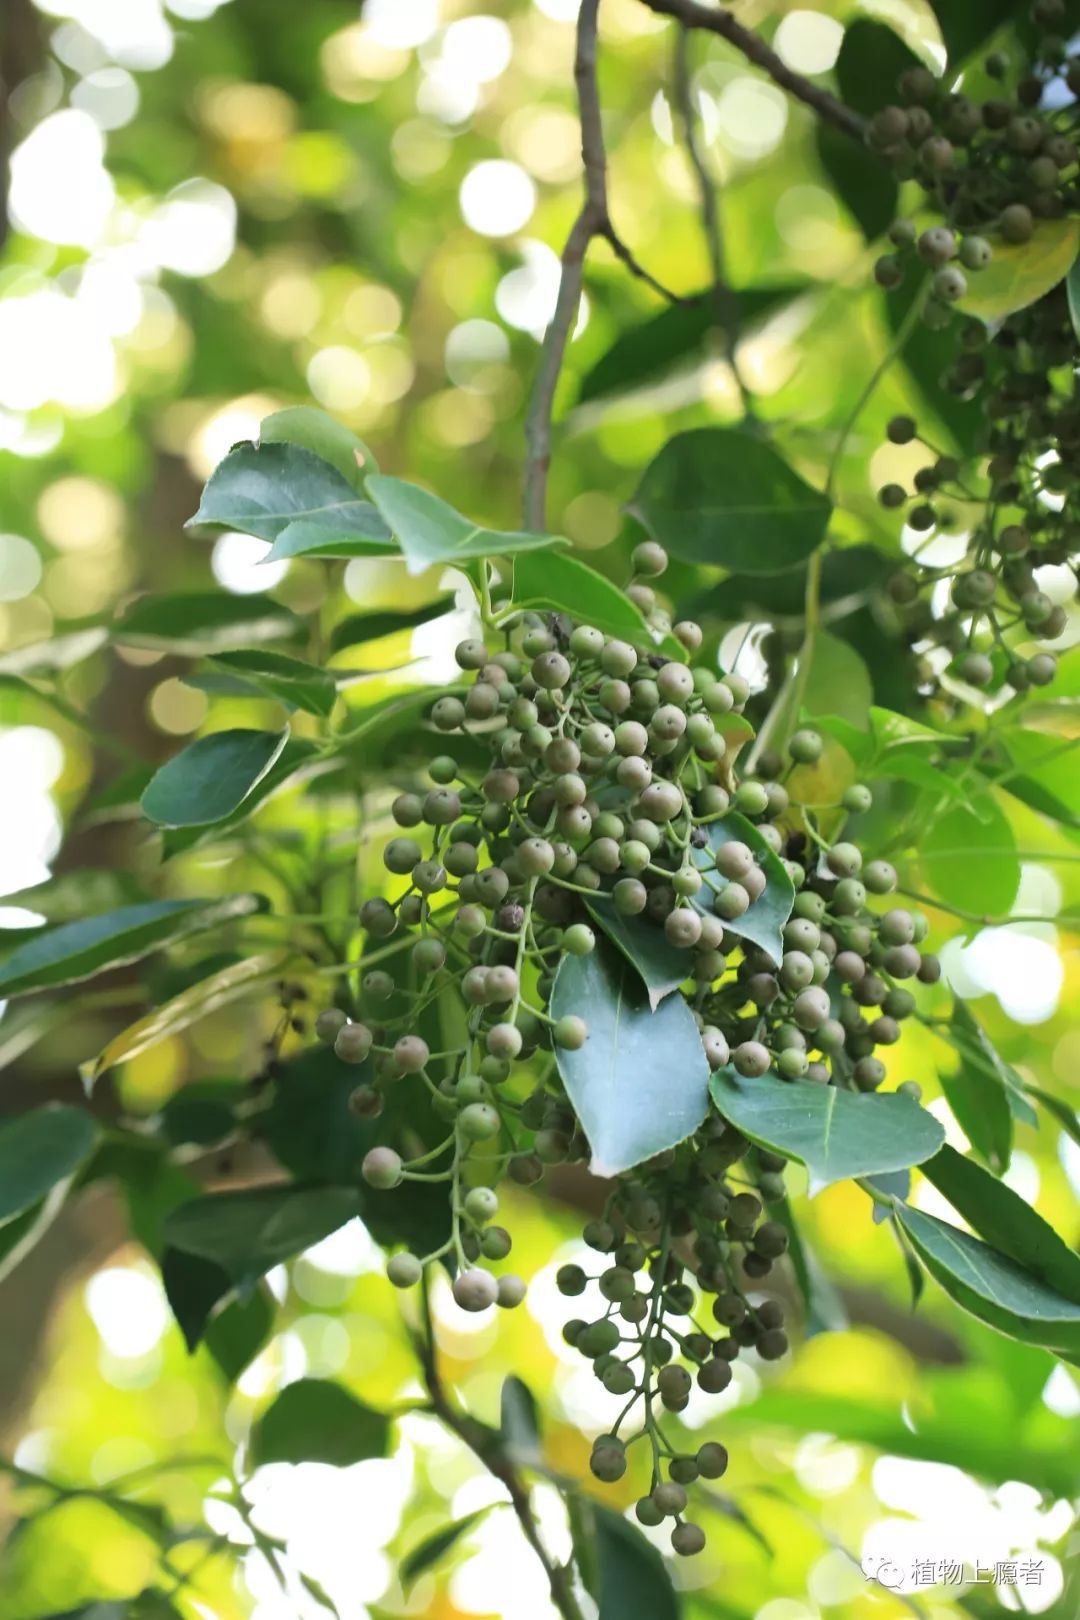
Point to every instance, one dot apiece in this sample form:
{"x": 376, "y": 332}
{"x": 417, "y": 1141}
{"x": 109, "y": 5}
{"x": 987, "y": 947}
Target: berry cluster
{"x": 608, "y": 775}
{"x": 996, "y": 168}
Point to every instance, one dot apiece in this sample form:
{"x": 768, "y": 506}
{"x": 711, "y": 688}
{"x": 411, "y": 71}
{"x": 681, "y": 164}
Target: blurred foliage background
{"x": 215, "y": 209}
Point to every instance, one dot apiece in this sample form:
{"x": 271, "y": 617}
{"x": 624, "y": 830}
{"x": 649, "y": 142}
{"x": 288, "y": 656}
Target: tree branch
{"x": 714, "y": 21}
{"x": 593, "y": 220}
{"x": 724, "y": 298}
{"x": 484, "y": 1444}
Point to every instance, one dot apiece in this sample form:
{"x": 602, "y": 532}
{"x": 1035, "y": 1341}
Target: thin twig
{"x": 484, "y": 1444}
{"x": 723, "y": 295}
{"x": 714, "y": 21}
{"x": 593, "y": 220}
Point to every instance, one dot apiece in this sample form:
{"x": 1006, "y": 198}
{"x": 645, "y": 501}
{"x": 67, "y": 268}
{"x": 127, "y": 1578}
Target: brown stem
{"x": 593, "y": 220}
{"x": 485, "y": 1445}
{"x": 715, "y": 21}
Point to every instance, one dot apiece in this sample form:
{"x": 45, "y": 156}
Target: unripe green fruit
{"x": 806, "y": 747}
{"x": 404, "y": 1270}
{"x": 442, "y": 805}
{"x": 618, "y": 658}
{"x": 570, "y": 1280}
{"x": 479, "y": 1122}
{"x": 429, "y": 876}
{"x": 615, "y": 696}
{"x": 382, "y": 1168}
{"x": 475, "y": 1290}
{"x": 495, "y": 1243}
{"x": 668, "y": 1498}
{"x": 550, "y": 671}
{"x": 599, "y": 1338}
{"x": 401, "y": 855}
{"x": 448, "y": 713}
{"x": 608, "y": 1463}
{"x": 751, "y": 1058}
{"x": 857, "y": 798}
{"x": 504, "y": 1040}
{"x": 597, "y": 740}
{"x": 618, "y": 1379}
{"x": 682, "y": 928}
{"x": 845, "y": 860}
{"x": 570, "y": 1032}
{"x": 811, "y": 1008}
{"x": 585, "y": 641}
{"x": 377, "y": 917}
{"x": 792, "y": 1064}
{"x": 353, "y": 1042}
{"x": 378, "y": 985}
{"x": 536, "y": 857}
{"x": 511, "y": 1291}
{"x": 329, "y": 1024}
{"x": 712, "y": 1460}
{"x": 732, "y": 902}
{"x": 411, "y": 1054}
{"x": 751, "y": 798}
{"x": 649, "y": 558}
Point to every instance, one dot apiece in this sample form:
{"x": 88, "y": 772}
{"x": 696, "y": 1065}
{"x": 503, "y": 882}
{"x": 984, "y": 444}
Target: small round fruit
{"x": 353, "y": 1042}
{"x": 382, "y": 1168}
{"x": 475, "y": 1290}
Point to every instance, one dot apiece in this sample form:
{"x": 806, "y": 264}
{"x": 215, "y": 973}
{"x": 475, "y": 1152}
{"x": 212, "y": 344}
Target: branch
{"x": 484, "y": 1444}
{"x": 593, "y": 220}
{"x": 724, "y": 298}
{"x": 694, "y": 15}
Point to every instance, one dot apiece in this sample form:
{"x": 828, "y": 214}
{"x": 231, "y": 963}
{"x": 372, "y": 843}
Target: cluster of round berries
{"x": 992, "y": 169}
{"x": 988, "y": 620}
{"x": 594, "y": 786}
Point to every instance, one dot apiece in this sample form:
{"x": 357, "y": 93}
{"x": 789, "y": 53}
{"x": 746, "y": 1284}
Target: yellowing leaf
{"x": 1020, "y": 274}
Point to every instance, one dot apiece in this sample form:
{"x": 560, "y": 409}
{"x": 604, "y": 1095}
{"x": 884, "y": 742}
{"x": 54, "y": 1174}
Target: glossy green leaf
{"x": 837, "y": 1134}
{"x": 838, "y": 682}
{"x": 195, "y": 623}
{"x": 288, "y": 495}
{"x": 824, "y": 1308}
{"x": 272, "y": 674}
{"x": 1005, "y": 1220}
{"x": 1040, "y": 772}
{"x": 433, "y": 1549}
{"x": 985, "y": 881}
{"x": 358, "y": 628}
{"x": 299, "y": 762}
{"x": 431, "y": 532}
{"x": 640, "y": 1082}
{"x": 692, "y": 331}
{"x": 859, "y": 177}
{"x": 316, "y": 1420}
{"x": 324, "y": 436}
{"x": 632, "y": 1578}
{"x": 660, "y": 967}
{"x": 80, "y": 949}
{"x": 211, "y": 777}
{"x": 993, "y": 1287}
{"x": 725, "y": 497}
{"x": 248, "y": 1232}
{"x": 984, "y": 1092}
{"x": 564, "y": 584}
{"x": 763, "y": 921}
{"x": 172, "y": 1017}
{"x": 1019, "y": 274}
{"x": 39, "y": 1149}
{"x": 1072, "y": 289}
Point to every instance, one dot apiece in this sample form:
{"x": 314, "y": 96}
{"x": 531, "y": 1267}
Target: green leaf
{"x": 986, "y": 879}
{"x": 633, "y": 1582}
{"x": 837, "y": 1134}
{"x": 196, "y": 623}
{"x": 979, "y": 1051}
{"x": 660, "y": 967}
{"x": 564, "y": 584}
{"x": 519, "y": 1421}
{"x": 1041, "y": 772}
{"x": 288, "y": 495}
{"x": 60, "y": 653}
{"x": 927, "y": 355}
{"x": 966, "y": 25}
{"x": 763, "y": 921}
{"x": 724, "y": 497}
{"x": 1072, "y": 289}
{"x": 648, "y": 351}
{"x": 272, "y": 674}
{"x": 80, "y": 949}
{"x": 1066, "y": 1117}
{"x": 358, "y": 628}
{"x": 172, "y": 1017}
{"x": 1020, "y": 274}
{"x": 431, "y": 532}
{"x": 246, "y": 1233}
{"x": 324, "y": 436}
{"x": 211, "y": 777}
{"x": 989, "y": 1285}
{"x": 434, "y": 1548}
{"x": 640, "y": 1082}
{"x": 825, "y": 1311}
{"x": 1006, "y": 1221}
{"x": 316, "y": 1420}
{"x": 38, "y": 1150}
{"x": 838, "y": 682}
{"x": 860, "y": 179}
{"x": 300, "y": 761}
{"x": 237, "y": 1334}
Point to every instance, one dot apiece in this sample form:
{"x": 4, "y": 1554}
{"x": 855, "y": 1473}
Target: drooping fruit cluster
{"x": 997, "y": 168}
{"x": 593, "y": 787}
